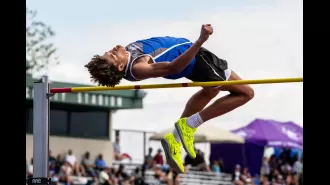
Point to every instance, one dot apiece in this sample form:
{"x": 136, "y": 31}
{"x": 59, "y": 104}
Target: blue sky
{"x": 258, "y": 38}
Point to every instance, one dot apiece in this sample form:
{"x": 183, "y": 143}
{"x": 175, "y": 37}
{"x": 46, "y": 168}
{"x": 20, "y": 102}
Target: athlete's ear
{"x": 121, "y": 67}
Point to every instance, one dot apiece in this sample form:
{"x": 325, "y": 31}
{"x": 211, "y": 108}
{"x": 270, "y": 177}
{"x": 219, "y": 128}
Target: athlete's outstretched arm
{"x": 143, "y": 70}
{"x": 167, "y": 68}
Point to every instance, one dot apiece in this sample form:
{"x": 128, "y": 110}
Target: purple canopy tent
{"x": 272, "y": 133}
{"x": 258, "y": 134}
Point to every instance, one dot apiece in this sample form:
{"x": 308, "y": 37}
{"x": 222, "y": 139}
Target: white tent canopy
{"x": 206, "y": 134}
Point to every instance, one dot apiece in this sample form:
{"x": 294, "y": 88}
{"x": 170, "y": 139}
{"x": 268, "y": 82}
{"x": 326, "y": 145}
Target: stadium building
{"x": 80, "y": 121}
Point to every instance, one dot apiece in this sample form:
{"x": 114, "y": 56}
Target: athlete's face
{"x": 117, "y": 56}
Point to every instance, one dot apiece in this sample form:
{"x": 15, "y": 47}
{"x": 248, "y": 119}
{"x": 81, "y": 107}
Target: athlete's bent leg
{"x": 171, "y": 142}
{"x": 239, "y": 95}
{"x": 196, "y": 103}
{"x": 186, "y": 127}
{"x": 199, "y": 100}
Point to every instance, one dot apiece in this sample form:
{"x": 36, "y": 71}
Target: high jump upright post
{"x": 40, "y": 132}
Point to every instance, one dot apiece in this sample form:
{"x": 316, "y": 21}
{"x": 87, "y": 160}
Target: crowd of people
{"x": 285, "y": 169}
{"x": 199, "y": 163}
{"x": 164, "y": 174}
{"x": 65, "y": 169}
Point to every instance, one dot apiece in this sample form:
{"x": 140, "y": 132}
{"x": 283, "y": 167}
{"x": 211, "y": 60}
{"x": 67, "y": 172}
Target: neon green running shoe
{"x": 186, "y": 134}
{"x": 172, "y": 150}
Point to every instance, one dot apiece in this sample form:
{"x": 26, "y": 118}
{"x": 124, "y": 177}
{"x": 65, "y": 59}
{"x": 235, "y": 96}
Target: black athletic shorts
{"x": 209, "y": 67}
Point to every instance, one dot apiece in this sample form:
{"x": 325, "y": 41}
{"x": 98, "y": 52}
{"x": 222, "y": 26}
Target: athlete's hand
{"x": 206, "y": 31}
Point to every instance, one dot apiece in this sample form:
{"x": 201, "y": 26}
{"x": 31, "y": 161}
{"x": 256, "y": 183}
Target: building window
{"x": 58, "y": 122}
{"x": 70, "y": 123}
{"x": 29, "y": 120}
{"x": 89, "y": 124}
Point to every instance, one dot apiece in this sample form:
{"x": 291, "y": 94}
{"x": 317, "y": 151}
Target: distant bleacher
{"x": 194, "y": 178}
{"x": 207, "y": 178}
{"x": 78, "y": 180}
{"x": 128, "y": 167}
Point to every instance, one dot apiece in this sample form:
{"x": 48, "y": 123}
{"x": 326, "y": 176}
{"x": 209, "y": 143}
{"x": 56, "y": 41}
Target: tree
{"x": 39, "y": 51}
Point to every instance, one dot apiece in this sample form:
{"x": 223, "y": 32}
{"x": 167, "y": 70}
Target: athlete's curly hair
{"x": 103, "y": 73}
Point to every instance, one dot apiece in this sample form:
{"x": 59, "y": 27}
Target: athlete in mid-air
{"x": 175, "y": 58}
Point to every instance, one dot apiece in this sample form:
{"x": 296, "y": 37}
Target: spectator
{"x": 159, "y": 157}
{"x": 79, "y": 170}
{"x": 51, "y": 158}
{"x": 249, "y": 180}
{"x": 237, "y": 175}
{"x": 297, "y": 167}
{"x": 100, "y": 162}
{"x": 221, "y": 164}
{"x": 199, "y": 161}
{"x": 59, "y": 163}
{"x": 272, "y": 163}
{"x": 265, "y": 168}
{"x": 88, "y": 164}
{"x": 175, "y": 177}
{"x": 300, "y": 180}
{"x": 264, "y": 180}
{"x": 52, "y": 168}
{"x": 216, "y": 167}
{"x": 65, "y": 173}
{"x": 30, "y": 169}
{"x": 291, "y": 179}
{"x": 137, "y": 178}
{"x": 188, "y": 161}
{"x": 116, "y": 146}
{"x": 70, "y": 158}
{"x": 148, "y": 159}
{"x": 149, "y": 155}
{"x": 104, "y": 178}
{"x": 122, "y": 177}
{"x": 286, "y": 168}
{"x": 278, "y": 181}
{"x": 116, "y": 150}
{"x": 256, "y": 180}
{"x": 162, "y": 176}
{"x": 274, "y": 176}
{"x": 52, "y": 163}
{"x": 113, "y": 176}
{"x": 246, "y": 176}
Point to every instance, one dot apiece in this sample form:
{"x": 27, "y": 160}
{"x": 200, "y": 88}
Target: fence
{"x": 136, "y": 143}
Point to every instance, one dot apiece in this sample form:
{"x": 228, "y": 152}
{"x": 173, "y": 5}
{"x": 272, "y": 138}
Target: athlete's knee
{"x": 248, "y": 92}
{"x": 244, "y": 91}
{"x": 210, "y": 92}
